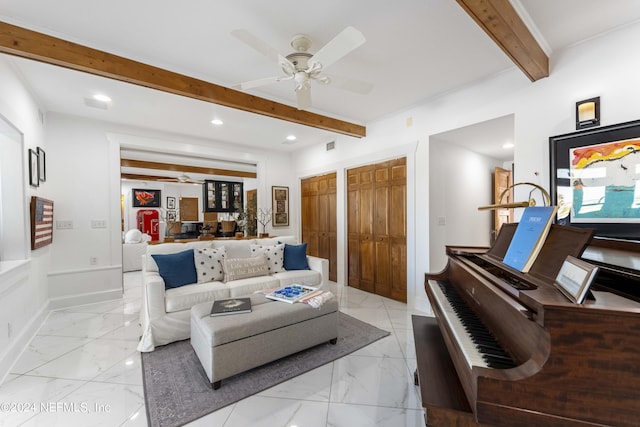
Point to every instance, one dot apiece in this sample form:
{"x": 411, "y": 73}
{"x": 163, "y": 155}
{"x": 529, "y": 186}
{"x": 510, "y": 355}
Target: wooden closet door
{"x": 360, "y": 213}
{"x": 381, "y": 231}
{"x": 319, "y": 229}
{"x": 309, "y": 189}
{"x": 376, "y": 227}
{"x": 398, "y": 228}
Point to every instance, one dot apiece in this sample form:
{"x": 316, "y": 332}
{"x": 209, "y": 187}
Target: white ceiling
{"x": 415, "y": 49}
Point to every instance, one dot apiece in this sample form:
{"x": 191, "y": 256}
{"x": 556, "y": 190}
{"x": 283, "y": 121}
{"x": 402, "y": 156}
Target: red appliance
{"x": 149, "y": 223}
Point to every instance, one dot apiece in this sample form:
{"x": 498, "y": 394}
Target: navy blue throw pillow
{"x": 295, "y": 257}
{"x": 176, "y": 269}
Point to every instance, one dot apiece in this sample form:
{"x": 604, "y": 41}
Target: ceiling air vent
{"x": 331, "y": 145}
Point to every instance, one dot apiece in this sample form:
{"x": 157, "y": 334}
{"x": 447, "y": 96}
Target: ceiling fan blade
{"x": 351, "y": 85}
{"x": 259, "y": 82}
{"x": 348, "y": 40}
{"x": 303, "y": 96}
{"x": 252, "y": 41}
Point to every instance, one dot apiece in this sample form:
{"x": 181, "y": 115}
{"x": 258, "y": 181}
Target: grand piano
{"x": 509, "y": 349}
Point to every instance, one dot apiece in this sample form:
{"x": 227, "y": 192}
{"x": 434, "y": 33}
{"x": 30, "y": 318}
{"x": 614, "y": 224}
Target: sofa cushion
{"x": 295, "y": 257}
{"x": 208, "y": 263}
{"x": 185, "y": 297}
{"x": 234, "y": 248}
{"x": 300, "y": 277}
{"x": 176, "y": 269}
{"x": 241, "y": 268}
{"x": 274, "y": 255}
{"x": 244, "y": 287}
{"x": 266, "y": 241}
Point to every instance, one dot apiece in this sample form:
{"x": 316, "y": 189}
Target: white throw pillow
{"x": 208, "y": 263}
{"x": 274, "y": 255}
{"x": 133, "y": 236}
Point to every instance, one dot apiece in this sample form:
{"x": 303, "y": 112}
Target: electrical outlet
{"x": 93, "y": 260}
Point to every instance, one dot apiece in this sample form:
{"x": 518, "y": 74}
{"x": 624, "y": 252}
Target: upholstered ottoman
{"x": 234, "y": 343}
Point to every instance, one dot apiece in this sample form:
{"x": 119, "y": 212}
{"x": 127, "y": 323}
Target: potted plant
{"x": 264, "y": 218}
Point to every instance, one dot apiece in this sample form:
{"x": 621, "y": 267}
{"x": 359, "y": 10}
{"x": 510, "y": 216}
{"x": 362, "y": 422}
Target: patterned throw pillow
{"x": 274, "y": 255}
{"x": 242, "y": 268}
{"x": 208, "y": 263}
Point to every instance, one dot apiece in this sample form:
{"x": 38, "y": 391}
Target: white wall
{"x": 464, "y": 183}
{"x": 23, "y": 296}
{"x": 604, "y": 67}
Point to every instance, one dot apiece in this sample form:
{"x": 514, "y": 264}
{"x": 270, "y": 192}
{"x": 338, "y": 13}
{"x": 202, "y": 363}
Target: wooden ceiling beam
{"x": 142, "y": 164}
{"x": 502, "y": 23}
{"x": 25, "y": 43}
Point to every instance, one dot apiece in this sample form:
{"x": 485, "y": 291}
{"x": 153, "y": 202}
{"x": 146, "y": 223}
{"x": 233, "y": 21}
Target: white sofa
{"x": 165, "y": 314}
{"x": 132, "y": 256}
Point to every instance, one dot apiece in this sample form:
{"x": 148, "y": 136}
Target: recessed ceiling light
{"x": 507, "y": 145}
{"x": 101, "y": 97}
{"x": 291, "y": 138}
{"x": 217, "y": 122}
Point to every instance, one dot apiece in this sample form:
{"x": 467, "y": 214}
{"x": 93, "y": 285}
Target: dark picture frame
{"x": 42, "y": 165}
{"x": 615, "y": 150}
{"x": 171, "y": 202}
{"x": 41, "y": 216}
{"x": 280, "y": 206}
{"x": 575, "y": 278}
{"x": 33, "y": 168}
{"x": 145, "y": 198}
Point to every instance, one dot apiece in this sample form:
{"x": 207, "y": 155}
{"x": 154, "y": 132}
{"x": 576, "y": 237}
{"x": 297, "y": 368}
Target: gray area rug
{"x": 178, "y": 391}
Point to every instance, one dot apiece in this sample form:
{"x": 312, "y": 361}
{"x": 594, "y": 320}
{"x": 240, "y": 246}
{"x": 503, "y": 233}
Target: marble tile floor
{"x": 82, "y": 369}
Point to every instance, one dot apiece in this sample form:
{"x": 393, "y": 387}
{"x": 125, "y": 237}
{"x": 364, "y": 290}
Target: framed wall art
{"x": 143, "y": 198}
{"x": 42, "y": 165}
{"x": 171, "y": 202}
{"x": 41, "y": 222}
{"x": 280, "y": 206}
{"x": 595, "y": 179}
{"x": 33, "y": 168}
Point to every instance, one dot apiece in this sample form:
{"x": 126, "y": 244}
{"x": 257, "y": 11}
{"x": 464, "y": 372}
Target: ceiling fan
{"x": 183, "y": 178}
{"x": 302, "y": 67}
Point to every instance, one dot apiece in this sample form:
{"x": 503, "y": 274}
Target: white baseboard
{"x": 20, "y": 343}
{"x": 82, "y": 299}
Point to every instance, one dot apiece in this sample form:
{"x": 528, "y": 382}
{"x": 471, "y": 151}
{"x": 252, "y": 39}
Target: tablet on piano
{"x": 574, "y": 278}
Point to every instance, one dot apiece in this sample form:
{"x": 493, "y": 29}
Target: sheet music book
{"x": 231, "y": 306}
{"x": 529, "y": 237}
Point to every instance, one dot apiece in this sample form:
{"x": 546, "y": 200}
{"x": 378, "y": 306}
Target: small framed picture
{"x": 33, "y": 168}
{"x": 171, "y": 216}
{"x": 42, "y": 165}
{"x": 171, "y": 202}
{"x": 280, "y": 206}
{"x": 574, "y": 278}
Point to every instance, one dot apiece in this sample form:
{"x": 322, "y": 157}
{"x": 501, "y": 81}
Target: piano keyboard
{"x": 479, "y": 347}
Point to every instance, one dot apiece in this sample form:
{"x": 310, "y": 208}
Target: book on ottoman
{"x": 231, "y": 306}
